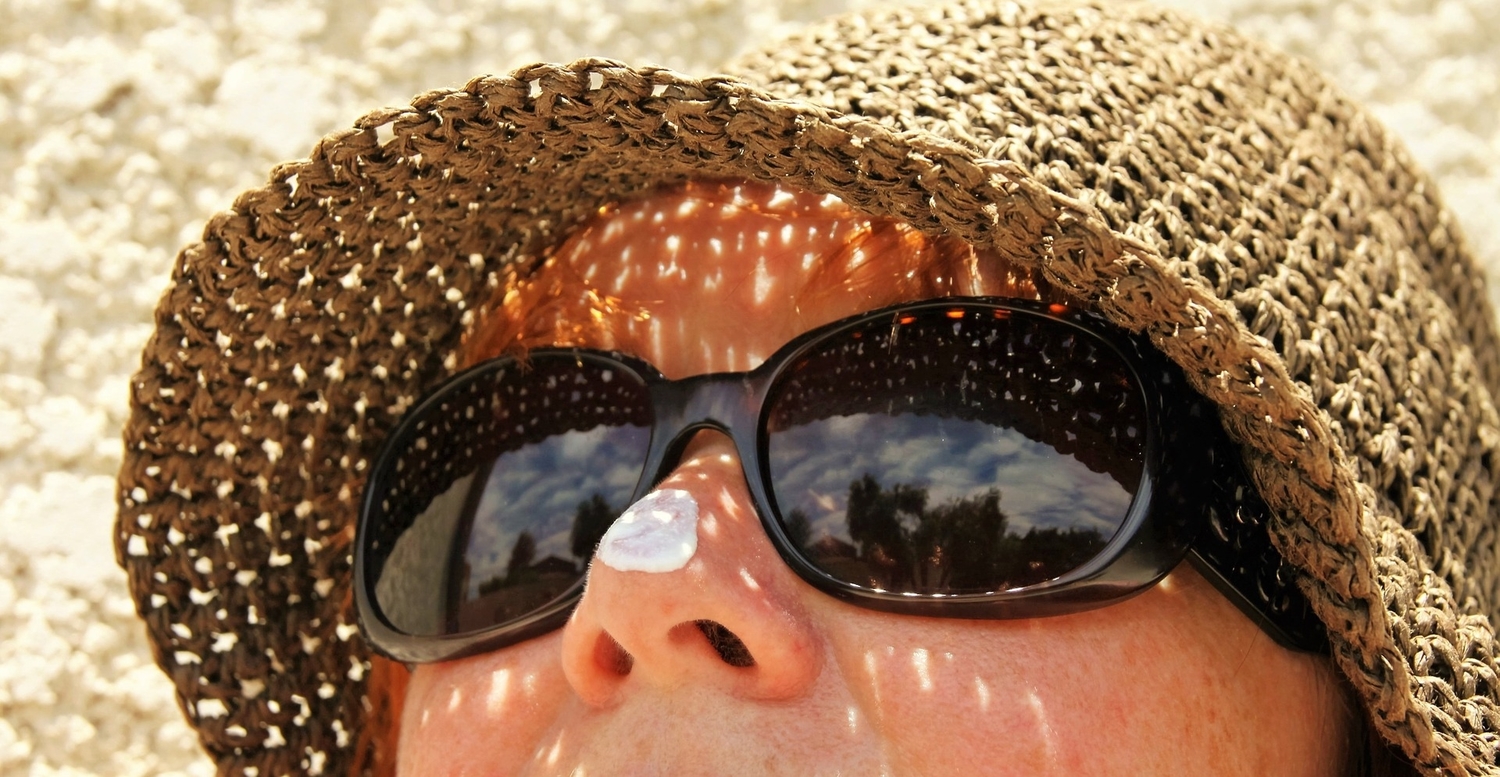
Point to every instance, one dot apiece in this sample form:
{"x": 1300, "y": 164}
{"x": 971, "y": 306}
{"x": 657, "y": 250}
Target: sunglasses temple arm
{"x": 1308, "y": 639}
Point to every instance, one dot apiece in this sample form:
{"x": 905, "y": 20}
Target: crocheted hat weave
{"x": 1263, "y": 231}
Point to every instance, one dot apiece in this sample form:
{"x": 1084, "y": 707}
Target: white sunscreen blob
{"x": 657, "y": 534}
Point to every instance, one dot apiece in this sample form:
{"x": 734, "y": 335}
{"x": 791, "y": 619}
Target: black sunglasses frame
{"x": 1191, "y": 480}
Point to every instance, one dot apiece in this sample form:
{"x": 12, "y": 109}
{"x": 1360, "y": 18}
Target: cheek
{"x": 949, "y": 700}
{"x": 1167, "y": 683}
{"x": 483, "y": 715}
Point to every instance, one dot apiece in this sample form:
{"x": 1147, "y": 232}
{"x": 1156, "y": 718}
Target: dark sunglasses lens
{"x": 499, "y": 496}
{"x": 955, "y": 450}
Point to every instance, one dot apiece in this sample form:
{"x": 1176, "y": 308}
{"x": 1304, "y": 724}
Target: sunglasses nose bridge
{"x": 725, "y": 403}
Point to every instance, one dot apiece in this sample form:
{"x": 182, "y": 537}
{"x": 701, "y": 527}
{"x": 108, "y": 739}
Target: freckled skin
{"x": 1173, "y": 682}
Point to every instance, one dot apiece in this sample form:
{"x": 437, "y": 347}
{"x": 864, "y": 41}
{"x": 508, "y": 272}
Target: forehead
{"x": 712, "y": 240}
{"x": 716, "y": 276}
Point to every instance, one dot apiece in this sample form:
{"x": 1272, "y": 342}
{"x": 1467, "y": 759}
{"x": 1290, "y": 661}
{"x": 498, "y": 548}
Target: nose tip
{"x": 718, "y": 610}
{"x": 657, "y": 534}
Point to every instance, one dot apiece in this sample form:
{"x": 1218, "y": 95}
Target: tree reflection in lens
{"x": 963, "y": 545}
{"x": 529, "y": 582}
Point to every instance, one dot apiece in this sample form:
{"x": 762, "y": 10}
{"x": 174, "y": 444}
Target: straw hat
{"x": 1265, "y": 233}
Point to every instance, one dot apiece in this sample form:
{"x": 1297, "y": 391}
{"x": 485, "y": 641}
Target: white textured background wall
{"x": 125, "y": 123}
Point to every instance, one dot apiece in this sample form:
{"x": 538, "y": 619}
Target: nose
{"x": 725, "y": 613}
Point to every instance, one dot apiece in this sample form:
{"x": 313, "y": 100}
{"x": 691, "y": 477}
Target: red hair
{"x": 375, "y": 744}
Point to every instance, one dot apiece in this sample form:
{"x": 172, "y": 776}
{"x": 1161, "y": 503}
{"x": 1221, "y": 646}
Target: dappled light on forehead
{"x": 715, "y": 276}
{"x": 683, "y": 235}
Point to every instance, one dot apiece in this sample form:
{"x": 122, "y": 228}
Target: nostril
{"x": 724, "y": 642}
{"x": 611, "y": 656}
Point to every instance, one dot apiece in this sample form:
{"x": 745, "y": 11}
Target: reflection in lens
{"x": 942, "y": 456}
{"x": 537, "y": 520}
{"x": 505, "y": 492}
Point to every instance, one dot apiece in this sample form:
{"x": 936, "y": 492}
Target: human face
{"x": 1174, "y": 681}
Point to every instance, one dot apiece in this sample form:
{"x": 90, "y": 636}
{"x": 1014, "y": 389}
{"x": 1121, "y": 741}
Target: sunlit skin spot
{"x": 728, "y": 504}
{"x": 456, "y": 698}
{"x": 762, "y": 282}
{"x": 982, "y": 691}
{"x": 708, "y": 524}
{"x": 749, "y": 579}
{"x": 1042, "y": 724}
{"x": 499, "y": 690}
{"x": 919, "y": 663}
{"x": 853, "y": 720}
{"x": 555, "y": 751}
{"x": 872, "y": 668}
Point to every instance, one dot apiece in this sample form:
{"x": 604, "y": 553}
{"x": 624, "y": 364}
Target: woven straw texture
{"x": 114, "y": 252}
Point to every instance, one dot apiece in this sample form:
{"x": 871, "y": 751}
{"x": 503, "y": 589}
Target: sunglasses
{"x": 958, "y": 457}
